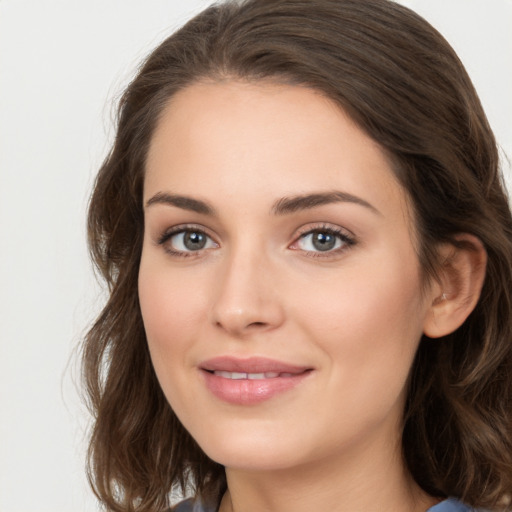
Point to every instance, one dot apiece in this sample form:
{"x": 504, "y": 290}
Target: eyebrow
{"x": 283, "y": 206}
{"x": 183, "y": 202}
{"x": 288, "y": 205}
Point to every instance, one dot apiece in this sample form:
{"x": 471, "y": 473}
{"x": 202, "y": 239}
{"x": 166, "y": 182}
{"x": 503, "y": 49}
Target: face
{"x": 279, "y": 283}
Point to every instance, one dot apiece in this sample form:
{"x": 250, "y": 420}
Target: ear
{"x": 456, "y": 292}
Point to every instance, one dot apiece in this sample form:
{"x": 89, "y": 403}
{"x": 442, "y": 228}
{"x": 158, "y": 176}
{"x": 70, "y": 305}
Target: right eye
{"x": 183, "y": 242}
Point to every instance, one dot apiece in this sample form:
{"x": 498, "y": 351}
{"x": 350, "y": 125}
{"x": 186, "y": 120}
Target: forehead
{"x": 236, "y": 138}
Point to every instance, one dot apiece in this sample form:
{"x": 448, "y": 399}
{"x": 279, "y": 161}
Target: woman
{"x": 309, "y": 252}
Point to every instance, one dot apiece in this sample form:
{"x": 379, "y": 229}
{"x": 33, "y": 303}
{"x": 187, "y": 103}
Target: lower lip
{"x": 249, "y": 391}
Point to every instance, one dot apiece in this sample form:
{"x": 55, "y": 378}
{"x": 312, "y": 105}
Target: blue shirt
{"x": 449, "y": 505}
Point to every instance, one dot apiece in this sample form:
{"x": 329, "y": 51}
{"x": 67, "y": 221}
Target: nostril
{"x": 257, "y": 324}
{"x": 239, "y": 329}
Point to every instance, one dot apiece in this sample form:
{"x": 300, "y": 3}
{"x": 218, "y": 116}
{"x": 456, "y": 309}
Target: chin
{"x": 254, "y": 459}
{"x": 252, "y": 452}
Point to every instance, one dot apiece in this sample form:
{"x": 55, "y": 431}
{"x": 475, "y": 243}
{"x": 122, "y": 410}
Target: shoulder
{"x": 452, "y": 505}
{"x": 190, "y": 505}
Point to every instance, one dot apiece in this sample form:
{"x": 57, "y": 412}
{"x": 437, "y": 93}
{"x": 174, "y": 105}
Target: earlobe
{"x": 458, "y": 288}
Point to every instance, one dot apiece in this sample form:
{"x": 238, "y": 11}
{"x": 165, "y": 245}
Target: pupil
{"x": 194, "y": 241}
{"x": 324, "y": 241}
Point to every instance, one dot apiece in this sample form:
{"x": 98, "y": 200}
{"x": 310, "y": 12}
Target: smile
{"x": 250, "y": 381}
{"x": 250, "y": 376}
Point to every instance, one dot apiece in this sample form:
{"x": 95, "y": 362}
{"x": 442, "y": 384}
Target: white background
{"x": 62, "y": 65}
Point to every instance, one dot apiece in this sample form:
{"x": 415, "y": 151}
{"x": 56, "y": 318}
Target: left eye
{"x": 321, "y": 241}
{"x": 189, "y": 241}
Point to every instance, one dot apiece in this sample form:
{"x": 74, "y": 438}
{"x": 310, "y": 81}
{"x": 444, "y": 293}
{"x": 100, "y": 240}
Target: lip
{"x": 246, "y": 390}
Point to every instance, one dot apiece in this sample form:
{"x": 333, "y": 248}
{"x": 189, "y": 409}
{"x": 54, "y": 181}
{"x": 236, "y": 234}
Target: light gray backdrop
{"x": 62, "y": 64}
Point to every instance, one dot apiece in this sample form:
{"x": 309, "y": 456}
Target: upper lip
{"x": 250, "y": 365}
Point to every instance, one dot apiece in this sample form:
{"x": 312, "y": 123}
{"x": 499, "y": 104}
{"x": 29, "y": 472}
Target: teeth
{"x": 255, "y": 376}
{"x": 250, "y": 376}
{"x": 231, "y": 375}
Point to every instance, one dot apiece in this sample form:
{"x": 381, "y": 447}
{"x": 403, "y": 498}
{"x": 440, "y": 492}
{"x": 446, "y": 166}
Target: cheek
{"x": 171, "y": 310}
{"x": 165, "y": 304}
{"x": 368, "y": 321}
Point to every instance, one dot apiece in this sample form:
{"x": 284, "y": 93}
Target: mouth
{"x": 250, "y": 376}
{"x": 250, "y": 381}
{"x": 253, "y": 366}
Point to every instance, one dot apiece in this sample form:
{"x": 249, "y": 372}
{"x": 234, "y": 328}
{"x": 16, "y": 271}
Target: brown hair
{"x": 402, "y": 83}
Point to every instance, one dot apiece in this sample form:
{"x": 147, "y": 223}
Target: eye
{"x": 182, "y": 242}
{"x": 323, "y": 240}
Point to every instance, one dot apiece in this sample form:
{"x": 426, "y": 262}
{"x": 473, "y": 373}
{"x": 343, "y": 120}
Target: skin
{"x": 354, "y": 315}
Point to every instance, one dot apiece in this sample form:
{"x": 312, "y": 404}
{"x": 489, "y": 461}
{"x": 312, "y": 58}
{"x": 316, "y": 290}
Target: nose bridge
{"x": 245, "y": 298}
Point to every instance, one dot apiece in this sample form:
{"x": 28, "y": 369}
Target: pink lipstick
{"x": 250, "y": 381}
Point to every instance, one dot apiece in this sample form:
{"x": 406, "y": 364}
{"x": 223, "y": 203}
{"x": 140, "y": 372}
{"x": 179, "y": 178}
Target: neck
{"x": 374, "y": 481}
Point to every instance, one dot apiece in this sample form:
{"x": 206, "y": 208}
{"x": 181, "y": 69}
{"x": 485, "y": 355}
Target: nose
{"x": 246, "y": 300}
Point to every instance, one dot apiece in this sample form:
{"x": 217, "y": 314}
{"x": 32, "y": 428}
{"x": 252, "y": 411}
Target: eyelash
{"x": 184, "y": 228}
{"x": 347, "y": 240}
